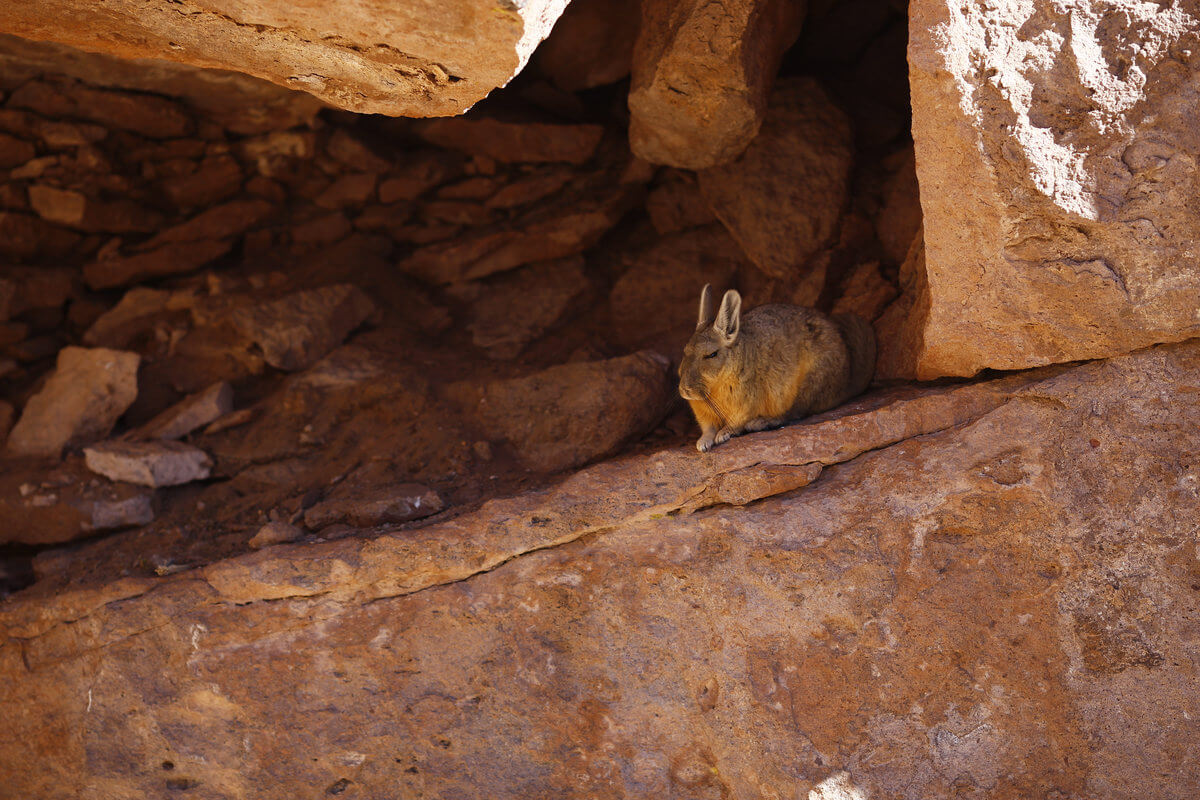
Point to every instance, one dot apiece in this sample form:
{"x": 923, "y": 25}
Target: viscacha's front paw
{"x": 705, "y": 443}
{"x": 722, "y": 437}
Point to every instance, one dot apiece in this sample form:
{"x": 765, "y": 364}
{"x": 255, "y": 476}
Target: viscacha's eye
{"x": 713, "y": 354}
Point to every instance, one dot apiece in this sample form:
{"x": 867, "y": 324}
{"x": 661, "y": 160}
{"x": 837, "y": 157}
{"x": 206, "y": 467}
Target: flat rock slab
{"x": 1056, "y": 154}
{"x": 154, "y": 464}
{"x": 88, "y": 391}
{"x": 189, "y": 414}
{"x": 1027, "y": 579}
{"x": 401, "y": 59}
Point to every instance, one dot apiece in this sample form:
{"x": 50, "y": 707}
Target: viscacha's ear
{"x": 729, "y": 317}
{"x": 706, "y": 316}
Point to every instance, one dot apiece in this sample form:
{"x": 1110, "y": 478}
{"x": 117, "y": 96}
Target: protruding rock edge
{"x": 590, "y": 501}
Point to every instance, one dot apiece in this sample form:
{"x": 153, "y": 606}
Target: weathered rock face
{"x": 975, "y": 635}
{"x": 701, "y": 75}
{"x": 782, "y": 198}
{"x": 413, "y": 59}
{"x": 1056, "y": 158}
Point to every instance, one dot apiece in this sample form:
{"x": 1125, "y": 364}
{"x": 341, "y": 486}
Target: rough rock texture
{"x": 701, "y": 75}
{"x": 572, "y": 413}
{"x": 237, "y": 101}
{"x": 1056, "y": 152}
{"x": 89, "y": 390}
{"x": 411, "y": 59}
{"x": 67, "y": 503}
{"x": 1016, "y": 620}
{"x": 654, "y": 303}
{"x": 153, "y": 464}
{"x": 783, "y": 197}
{"x": 297, "y": 330}
{"x": 382, "y": 505}
{"x": 512, "y": 310}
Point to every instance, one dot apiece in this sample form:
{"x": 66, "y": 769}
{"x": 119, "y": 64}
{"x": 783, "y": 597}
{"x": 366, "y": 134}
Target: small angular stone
{"x": 88, "y": 391}
{"x": 152, "y": 463}
{"x": 277, "y": 532}
{"x": 189, "y": 414}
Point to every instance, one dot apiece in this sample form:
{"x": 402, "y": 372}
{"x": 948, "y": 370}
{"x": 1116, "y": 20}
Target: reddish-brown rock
{"x": 402, "y": 59}
{"x": 112, "y": 269}
{"x": 152, "y": 463}
{"x": 67, "y": 503}
{"x": 147, "y": 115}
{"x": 568, "y": 415}
{"x": 654, "y": 303}
{"x": 76, "y": 210}
{"x": 557, "y": 228}
{"x": 591, "y": 45}
{"x": 701, "y": 75}
{"x": 26, "y": 288}
{"x": 512, "y": 310}
{"x": 976, "y": 634}
{"x": 298, "y": 329}
{"x": 1055, "y": 152}
{"x": 14, "y": 152}
{"x": 514, "y": 141}
{"x": 241, "y": 104}
{"x": 783, "y": 197}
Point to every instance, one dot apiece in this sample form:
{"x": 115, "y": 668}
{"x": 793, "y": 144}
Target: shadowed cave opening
{"x": 496, "y": 277}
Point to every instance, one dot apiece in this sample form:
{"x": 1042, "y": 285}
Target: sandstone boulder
{"x": 88, "y": 391}
{"x": 1056, "y": 155}
{"x": 701, "y": 75}
{"x": 406, "y": 59}
{"x": 782, "y": 198}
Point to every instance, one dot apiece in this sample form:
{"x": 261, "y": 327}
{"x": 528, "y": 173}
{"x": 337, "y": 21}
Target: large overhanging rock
{"x": 1016, "y": 618}
{"x": 1056, "y": 151}
{"x": 403, "y": 58}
